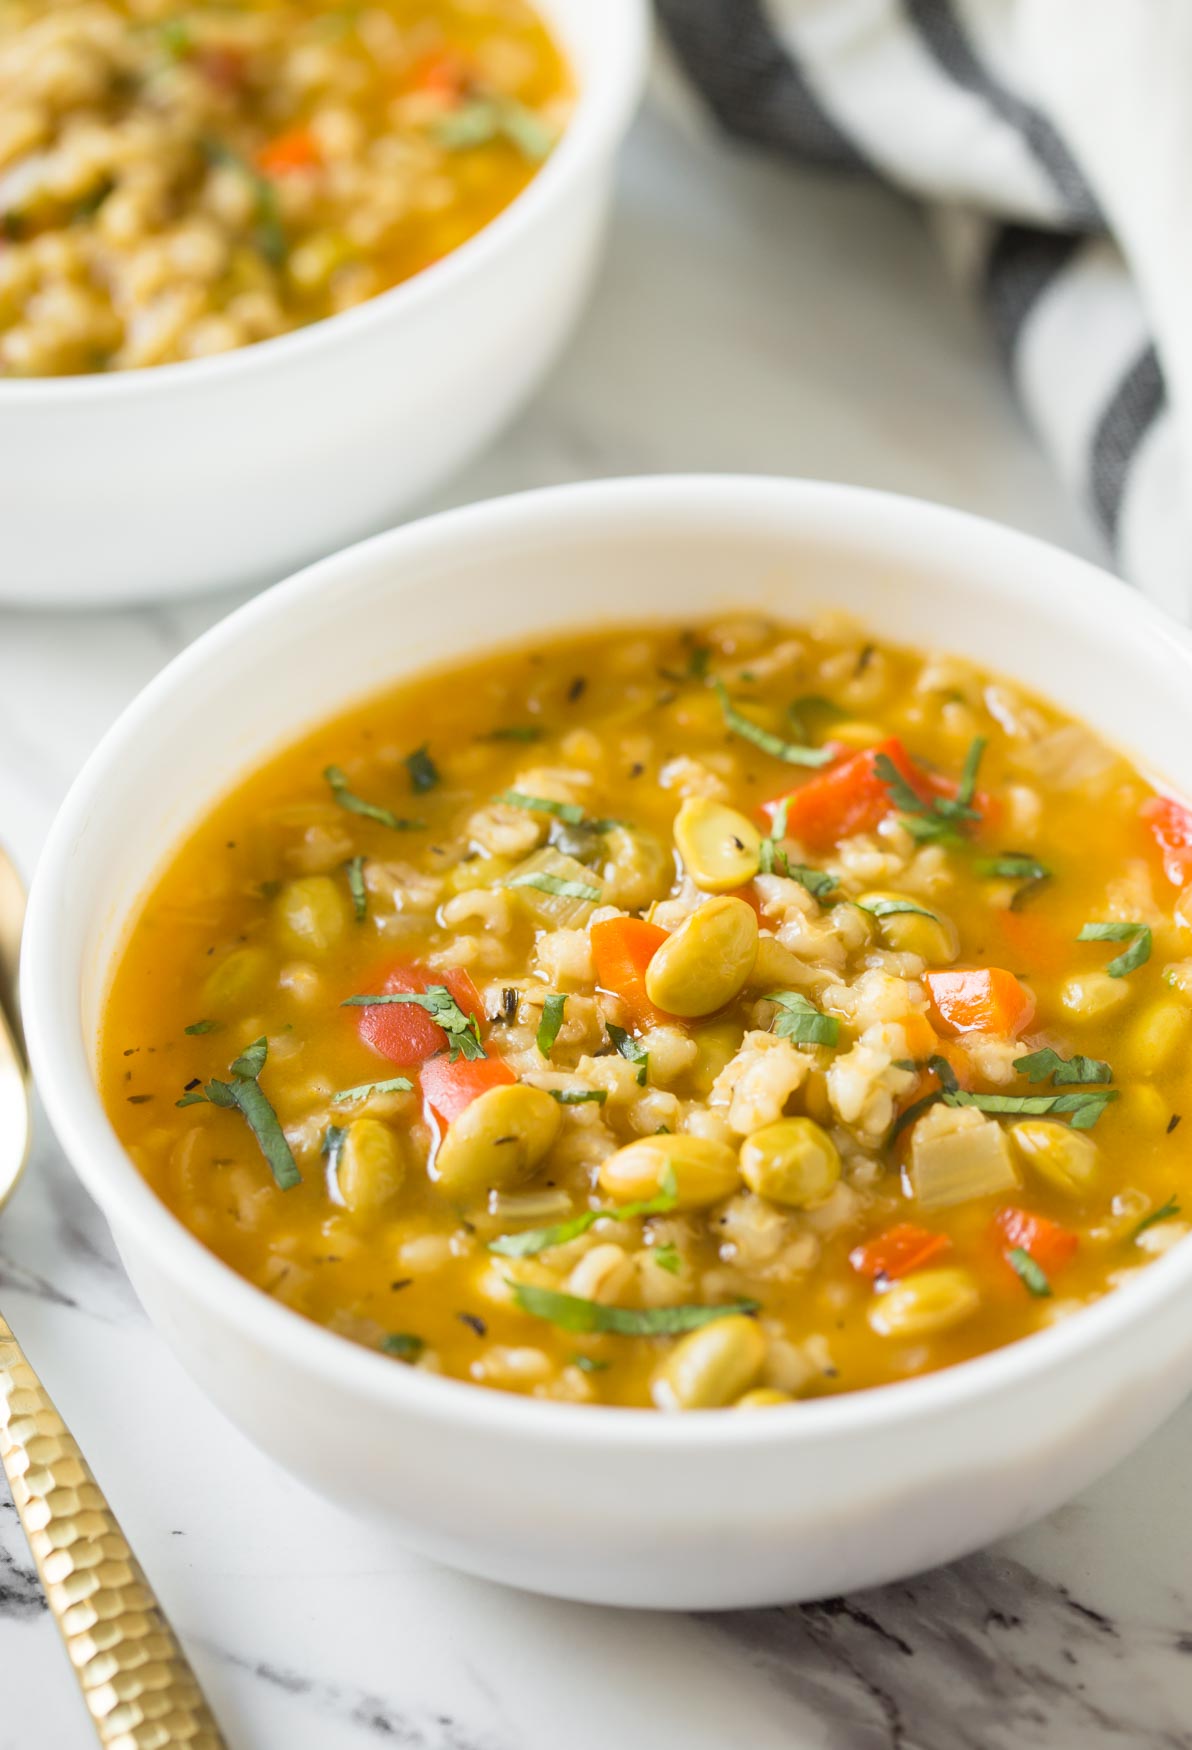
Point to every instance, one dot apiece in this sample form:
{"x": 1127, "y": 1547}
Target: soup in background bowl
{"x": 838, "y": 1488}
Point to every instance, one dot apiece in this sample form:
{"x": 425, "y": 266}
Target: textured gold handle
{"x": 138, "y": 1686}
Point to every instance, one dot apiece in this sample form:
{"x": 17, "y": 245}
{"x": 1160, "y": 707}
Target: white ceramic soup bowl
{"x": 232, "y": 471}
{"x": 627, "y": 1507}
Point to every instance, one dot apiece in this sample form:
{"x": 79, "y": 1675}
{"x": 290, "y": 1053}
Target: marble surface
{"x": 745, "y": 318}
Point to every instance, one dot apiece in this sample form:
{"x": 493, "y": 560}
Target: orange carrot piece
{"x": 448, "y": 1087}
{"x": 1046, "y": 1242}
{"x": 986, "y": 999}
{"x": 846, "y": 798}
{"x": 898, "y": 1251}
{"x": 294, "y": 150}
{"x": 622, "y": 948}
{"x": 1171, "y": 827}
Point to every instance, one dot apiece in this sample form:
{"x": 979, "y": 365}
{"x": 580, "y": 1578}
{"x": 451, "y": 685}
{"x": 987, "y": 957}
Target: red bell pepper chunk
{"x": 846, "y": 798}
{"x": 1171, "y": 826}
{"x": 404, "y": 1032}
{"x": 898, "y": 1251}
{"x": 987, "y": 999}
{"x": 448, "y": 1087}
{"x": 1046, "y": 1242}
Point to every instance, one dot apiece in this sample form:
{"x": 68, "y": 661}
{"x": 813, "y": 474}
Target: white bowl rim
{"x": 62, "y": 1065}
{"x": 603, "y": 109}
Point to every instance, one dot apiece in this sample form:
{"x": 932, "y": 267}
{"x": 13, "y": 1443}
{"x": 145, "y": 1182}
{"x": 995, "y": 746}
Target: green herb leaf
{"x": 571, "y": 1313}
{"x": 588, "y": 1364}
{"x": 251, "y": 1061}
{"x": 817, "y": 881}
{"x": 516, "y": 732}
{"x": 1136, "y": 955}
{"x": 630, "y": 1048}
{"x": 355, "y": 869}
{"x": 370, "y": 810}
{"x": 579, "y": 1096}
{"x": 1032, "y": 1277}
{"x": 424, "y": 774}
{"x": 771, "y": 856}
{"x": 202, "y": 1027}
{"x": 1085, "y": 1109}
{"x": 790, "y": 751}
{"x": 799, "y": 1019}
{"x": 534, "y": 138}
{"x": 1164, "y": 1213}
{"x": 196, "y": 1097}
{"x": 1039, "y": 1065}
{"x": 403, "y": 1345}
{"x": 571, "y": 812}
{"x": 552, "y": 1020}
{"x": 1013, "y": 866}
{"x": 895, "y": 908}
{"x": 667, "y": 1258}
{"x": 365, "y": 1090}
{"x": 463, "y": 1031}
{"x": 968, "y": 776}
{"x": 936, "y": 819}
{"x": 540, "y": 1239}
{"x": 484, "y": 119}
{"x": 556, "y": 885}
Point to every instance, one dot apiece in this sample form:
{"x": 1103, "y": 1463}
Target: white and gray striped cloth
{"x": 1053, "y": 142}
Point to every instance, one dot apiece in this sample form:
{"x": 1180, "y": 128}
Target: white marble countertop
{"x": 748, "y": 319}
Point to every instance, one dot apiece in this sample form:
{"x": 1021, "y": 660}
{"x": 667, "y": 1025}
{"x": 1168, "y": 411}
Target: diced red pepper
{"x": 846, "y": 798}
{"x": 987, "y": 999}
{"x": 898, "y": 1251}
{"x": 1046, "y": 1242}
{"x": 1171, "y": 826}
{"x": 448, "y": 1087}
{"x": 622, "y": 948}
{"x": 404, "y": 1032}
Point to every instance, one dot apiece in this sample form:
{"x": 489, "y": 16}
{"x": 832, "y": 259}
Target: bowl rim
{"x": 61, "y": 1061}
{"x": 604, "y": 107}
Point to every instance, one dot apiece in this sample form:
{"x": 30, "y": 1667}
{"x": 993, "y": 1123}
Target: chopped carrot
{"x": 898, "y": 1251}
{"x": 442, "y": 75}
{"x": 1171, "y": 826}
{"x": 293, "y": 150}
{"x": 1034, "y": 941}
{"x": 921, "y": 1038}
{"x": 846, "y": 798}
{"x": 749, "y": 894}
{"x": 448, "y": 1087}
{"x": 1046, "y": 1242}
{"x": 404, "y": 1032}
{"x": 987, "y": 806}
{"x": 622, "y": 948}
{"x": 987, "y": 999}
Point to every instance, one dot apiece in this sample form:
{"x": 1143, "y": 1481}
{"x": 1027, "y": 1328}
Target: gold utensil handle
{"x": 136, "y": 1682}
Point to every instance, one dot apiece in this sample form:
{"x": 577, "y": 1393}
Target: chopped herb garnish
{"x": 354, "y": 804}
{"x": 196, "y": 1097}
{"x": 1013, "y": 866}
{"x": 817, "y": 881}
{"x": 938, "y": 818}
{"x": 424, "y": 774}
{"x": 798, "y": 1019}
{"x": 403, "y": 1345}
{"x": 485, "y": 119}
{"x": 269, "y": 232}
{"x": 667, "y": 1258}
{"x": 579, "y": 1096}
{"x": 176, "y": 38}
{"x": 1136, "y": 955}
{"x": 630, "y": 1048}
{"x": 355, "y": 869}
{"x": 571, "y": 812}
{"x": 540, "y": 1239}
{"x": 245, "y": 1094}
{"x": 365, "y": 1090}
{"x": 1174, "y": 1122}
{"x": 895, "y": 908}
{"x": 556, "y": 885}
{"x": 588, "y": 1364}
{"x": 571, "y": 1313}
{"x": 814, "y": 703}
{"x": 1032, "y": 1277}
{"x": 792, "y": 752}
{"x": 516, "y": 732}
{"x": 1164, "y": 1213}
{"x": 552, "y": 1020}
{"x": 463, "y": 1031}
{"x": 771, "y": 857}
{"x": 202, "y": 1027}
{"x": 1039, "y": 1065}
{"x": 1083, "y": 1108}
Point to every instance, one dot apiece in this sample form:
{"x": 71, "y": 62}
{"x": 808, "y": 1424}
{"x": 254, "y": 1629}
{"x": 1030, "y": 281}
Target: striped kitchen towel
{"x": 1051, "y": 139}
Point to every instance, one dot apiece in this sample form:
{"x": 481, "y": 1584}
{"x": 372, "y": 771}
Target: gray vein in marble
{"x": 376, "y": 1715}
{"x": 21, "y": 1596}
{"x": 982, "y": 1655}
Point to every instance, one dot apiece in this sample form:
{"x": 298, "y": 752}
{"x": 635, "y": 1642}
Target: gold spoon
{"x": 136, "y": 1681}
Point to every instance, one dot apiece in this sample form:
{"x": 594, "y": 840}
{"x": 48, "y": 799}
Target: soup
{"x": 180, "y": 181}
{"x": 674, "y": 1017}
